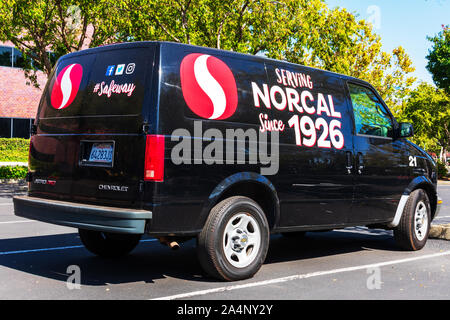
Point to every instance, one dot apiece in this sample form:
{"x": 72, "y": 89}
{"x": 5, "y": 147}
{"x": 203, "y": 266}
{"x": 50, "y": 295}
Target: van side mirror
{"x": 405, "y": 130}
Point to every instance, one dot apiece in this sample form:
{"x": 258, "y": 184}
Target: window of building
{"x": 21, "y": 128}
{"x": 15, "y": 128}
{"x": 18, "y": 59}
{"x": 5, "y": 128}
{"x": 12, "y": 57}
{"x": 5, "y": 56}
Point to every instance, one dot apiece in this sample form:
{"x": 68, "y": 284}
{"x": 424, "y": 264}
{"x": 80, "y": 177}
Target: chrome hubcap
{"x": 421, "y": 221}
{"x": 241, "y": 240}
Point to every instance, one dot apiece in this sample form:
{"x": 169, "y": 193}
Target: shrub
{"x": 13, "y": 172}
{"x": 14, "y": 149}
{"x": 441, "y": 169}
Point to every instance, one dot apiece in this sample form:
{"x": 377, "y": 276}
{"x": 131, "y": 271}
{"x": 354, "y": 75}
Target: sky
{"x": 403, "y": 23}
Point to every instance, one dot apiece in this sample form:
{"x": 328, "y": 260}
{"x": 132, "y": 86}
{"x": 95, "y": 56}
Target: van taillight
{"x": 154, "y": 158}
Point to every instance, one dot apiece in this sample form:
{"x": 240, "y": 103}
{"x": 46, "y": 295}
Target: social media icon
{"x": 120, "y": 69}
{"x": 130, "y": 68}
{"x": 110, "y": 70}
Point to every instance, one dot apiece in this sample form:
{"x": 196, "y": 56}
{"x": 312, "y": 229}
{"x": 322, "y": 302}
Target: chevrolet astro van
{"x": 179, "y": 142}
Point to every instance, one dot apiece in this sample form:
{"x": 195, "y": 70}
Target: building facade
{"x": 18, "y": 100}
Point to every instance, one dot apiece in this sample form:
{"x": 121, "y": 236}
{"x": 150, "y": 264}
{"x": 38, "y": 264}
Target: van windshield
{"x": 98, "y": 83}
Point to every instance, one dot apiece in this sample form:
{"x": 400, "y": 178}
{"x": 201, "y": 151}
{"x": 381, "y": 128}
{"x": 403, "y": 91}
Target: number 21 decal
{"x": 412, "y": 161}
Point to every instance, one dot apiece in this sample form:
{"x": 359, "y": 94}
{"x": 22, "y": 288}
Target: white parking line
{"x": 55, "y": 248}
{"x": 439, "y": 217}
{"x": 18, "y": 221}
{"x": 298, "y": 277}
{"x": 6, "y": 204}
{"x": 39, "y": 250}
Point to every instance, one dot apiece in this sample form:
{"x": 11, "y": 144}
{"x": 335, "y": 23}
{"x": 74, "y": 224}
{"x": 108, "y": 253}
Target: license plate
{"x": 101, "y": 153}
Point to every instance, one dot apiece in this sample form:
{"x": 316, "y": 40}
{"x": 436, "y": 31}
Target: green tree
{"x": 336, "y": 40}
{"x": 428, "y": 108}
{"x": 247, "y": 26}
{"x": 299, "y": 31}
{"x": 439, "y": 59}
{"x": 37, "y": 27}
{"x": 63, "y": 26}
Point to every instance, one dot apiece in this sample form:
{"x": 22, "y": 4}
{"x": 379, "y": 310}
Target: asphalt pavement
{"x": 44, "y": 261}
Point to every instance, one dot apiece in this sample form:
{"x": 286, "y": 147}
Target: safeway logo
{"x": 66, "y": 86}
{"x": 208, "y": 86}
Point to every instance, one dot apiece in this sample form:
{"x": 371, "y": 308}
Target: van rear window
{"x": 106, "y": 83}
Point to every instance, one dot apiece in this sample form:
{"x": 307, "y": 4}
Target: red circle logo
{"x": 66, "y": 86}
{"x": 208, "y": 86}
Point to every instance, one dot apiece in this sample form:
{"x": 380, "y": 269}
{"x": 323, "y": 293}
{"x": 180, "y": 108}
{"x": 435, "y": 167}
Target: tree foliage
{"x": 300, "y": 31}
{"x": 247, "y": 26}
{"x": 336, "y": 40}
{"x": 439, "y": 59}
{"x": 37, "y": 27}
{"x": 428, "y": 108}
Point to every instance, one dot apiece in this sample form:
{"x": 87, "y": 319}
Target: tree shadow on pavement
{"x": 9, "y": 190}
{"x": 329, "y": 243}
{"x": 151, "y": 261}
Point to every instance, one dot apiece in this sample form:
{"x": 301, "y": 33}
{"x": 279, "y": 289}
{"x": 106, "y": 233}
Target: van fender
{"x": 231, "y": 181}
{"x": 421, "y": 182}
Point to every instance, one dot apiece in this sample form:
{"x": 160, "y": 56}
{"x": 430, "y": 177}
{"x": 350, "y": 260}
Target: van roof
{"x": 140, "y": 44}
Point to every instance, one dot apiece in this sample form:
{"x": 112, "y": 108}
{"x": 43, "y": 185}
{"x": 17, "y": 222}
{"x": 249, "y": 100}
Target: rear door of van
{"x": 89, "y": 145}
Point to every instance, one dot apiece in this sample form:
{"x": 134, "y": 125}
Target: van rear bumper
{"x": 82, "y": 216}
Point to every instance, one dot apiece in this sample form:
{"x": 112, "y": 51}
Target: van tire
{"x": 405, "y": 234}
{"x": 242, "y": 219}
{"x": 108, "y": 245}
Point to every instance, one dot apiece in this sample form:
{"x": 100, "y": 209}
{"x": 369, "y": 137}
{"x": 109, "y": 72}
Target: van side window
{"x": 371, "y": 117}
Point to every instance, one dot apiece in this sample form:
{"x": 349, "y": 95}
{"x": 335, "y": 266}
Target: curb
{"x": 444, "y": 182}
{"x": 13, "y": 181}
{"x": 13, "y": 164}
{"x": 440, "y": 231}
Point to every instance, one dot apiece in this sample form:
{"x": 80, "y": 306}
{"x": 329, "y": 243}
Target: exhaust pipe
{"x": 169, "y": 242}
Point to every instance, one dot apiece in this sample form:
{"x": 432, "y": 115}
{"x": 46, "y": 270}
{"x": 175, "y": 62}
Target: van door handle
{"x": 360, "y": 163}
{"x": 349, "y": 166}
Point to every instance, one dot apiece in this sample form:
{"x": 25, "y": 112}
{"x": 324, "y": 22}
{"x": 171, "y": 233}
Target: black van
{"x": 180, "y": 142}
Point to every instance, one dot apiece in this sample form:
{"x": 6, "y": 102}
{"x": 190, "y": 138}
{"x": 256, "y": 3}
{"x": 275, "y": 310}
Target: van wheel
{"x": 234, "y": 241}
{"x": 110, "y": 245}
{"x": 412, "y": 231}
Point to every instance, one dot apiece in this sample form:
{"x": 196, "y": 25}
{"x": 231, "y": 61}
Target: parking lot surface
{"x": 44, "y": 261}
